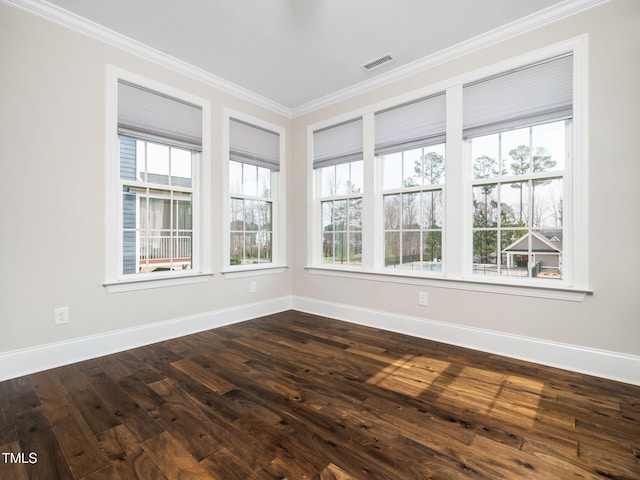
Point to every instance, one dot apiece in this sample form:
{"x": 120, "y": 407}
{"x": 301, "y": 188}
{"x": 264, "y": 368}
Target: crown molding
{"x": 526, "y": 24}
{"x": 98, "y": 32}
{"x": 79, "y": 24}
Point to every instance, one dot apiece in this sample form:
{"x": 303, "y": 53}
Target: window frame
{"x": 115, "y": 280}
{"x": 277, "y": 199}
{"x": 457, "y": 223}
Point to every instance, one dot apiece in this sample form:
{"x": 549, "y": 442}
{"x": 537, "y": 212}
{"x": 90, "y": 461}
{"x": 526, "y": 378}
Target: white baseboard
{"x": 25, "y": 361}
{"x": 600, "y": 363}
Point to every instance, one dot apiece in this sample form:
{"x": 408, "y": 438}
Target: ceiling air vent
{"x": 378, "y": 62}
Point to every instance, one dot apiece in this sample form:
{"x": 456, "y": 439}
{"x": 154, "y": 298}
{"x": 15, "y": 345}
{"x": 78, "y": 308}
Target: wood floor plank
{"x": 36, "y": 436}
{"x": 173, "y": 460}
{"x": 9, "y": 470}
{"x": 294, "y": 395}
{"x": 94, "y": 411}
{"x": 127, "y": 456}
{"x": 53, "y": 396}
{"x": 79, "y": 446}
{"x": 204, "y": 376}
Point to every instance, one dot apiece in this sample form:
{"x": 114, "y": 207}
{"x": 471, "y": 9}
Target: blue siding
{"x": 128, "y": 172}
{"x": 127, "y": 158}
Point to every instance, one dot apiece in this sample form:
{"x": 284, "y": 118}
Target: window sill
{"x": 148, "y": 282}
{"x": 438, "y": 280}
{"x": 252, "y": 271}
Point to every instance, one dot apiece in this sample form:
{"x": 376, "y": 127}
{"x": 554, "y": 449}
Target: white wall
{"x": 52, "y": 110}
{"x": 52, "y": 191}
{"x": 607, "y": 320}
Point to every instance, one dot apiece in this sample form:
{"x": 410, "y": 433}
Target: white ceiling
{"x": 294, "y": 52}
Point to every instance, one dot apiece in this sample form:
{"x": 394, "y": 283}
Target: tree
{"x": 485, "y": 167}
{"x": 430, "y": 167}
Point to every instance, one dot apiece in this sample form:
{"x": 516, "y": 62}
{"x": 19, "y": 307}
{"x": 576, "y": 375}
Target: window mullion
{"x": 457, "y": 202}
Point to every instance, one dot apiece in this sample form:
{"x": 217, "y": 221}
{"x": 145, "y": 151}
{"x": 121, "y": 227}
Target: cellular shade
{"x": 150, "y": 115}
{"x": 337, "y": 144}
{"x": 254, "y": 145}
{"x": 532, "y": 94}
{"x": 411, "y": 125}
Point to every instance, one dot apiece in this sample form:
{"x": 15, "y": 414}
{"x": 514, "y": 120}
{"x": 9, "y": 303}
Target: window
{"x": 481, "y": 180}
{"x": 155, "y": 230}
{"x": 518, "y": 172}
{"x": 338, "y": 168}
{"x": 410, "y": 147}
{"x": 254, "y": 205}
{"x": 157, "y": 219}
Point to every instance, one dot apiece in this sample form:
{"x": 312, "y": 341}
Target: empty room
{"x": 319, "y": 239}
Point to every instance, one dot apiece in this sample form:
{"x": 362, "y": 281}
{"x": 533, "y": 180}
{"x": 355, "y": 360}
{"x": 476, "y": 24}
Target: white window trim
{"x": 114, "y": 280}
{"x": 278, "y": 186}
{"x": 457, "y": 194}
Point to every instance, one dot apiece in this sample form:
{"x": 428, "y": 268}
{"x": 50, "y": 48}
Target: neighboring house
{"x": 544, "y": 253}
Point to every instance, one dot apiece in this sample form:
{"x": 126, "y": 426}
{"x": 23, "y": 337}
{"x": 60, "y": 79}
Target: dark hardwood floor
{"x": 297, "y": 396}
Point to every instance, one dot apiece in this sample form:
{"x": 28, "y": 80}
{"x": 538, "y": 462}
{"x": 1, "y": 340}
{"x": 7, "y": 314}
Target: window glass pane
{"x": 158, "y": 216}
{"x": 432, "y": 251}
{"x": 235, "y": 177}
{"x": 182, "y": 214}
{"x": 141, "y": 154}
{"x": 237, "y": 214}
{"x": 411, "y": 210}
{"x": 181, "y": 251}
{"x": 355, "y": 248}
{"x": 433, "y": 165}
{"x": 485, "y": 152}
{"x": 342, "y": 179}
{"x": 412, "y": 168}
{"x": 547, "y": 203}
{"x": 340, "y": 214}
{"x": 157, "y": 163}
{"x": 328, "y": 181}
{"x": 181, "y": 167}
{"x": 252, "y": 215}
{"x": 327, "y": 247}
{"x": 263, "y": 245}
{"x": 485, "y": 256}
{"x": 547, "y": 250}
{"x": 514, "y": 204}
{"x": 249, "y": 179}
{"x": 486, "y": 166}
{"x": 392, "y": 212}
{"x": 327, "y": 216}
{"x": 236, "y": 248}
{"x": 515, "y": 152}
{"x": 514, "y": 248}
{"x": 264, "y": 182}
{"x": 549, "y": 147}
{"x": 411, "y": 249}
{"x": 392, "y": 171}
{"x": 355, "y": 214}
{"x": 391, "y": 249}
{"x": 356, "y": 177}
{"x": 485, "y": 205}
{"x": 432, "y": 209}
{"x": 261, "y": 213}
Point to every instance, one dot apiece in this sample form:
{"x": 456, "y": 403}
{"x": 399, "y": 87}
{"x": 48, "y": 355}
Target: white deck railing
{"x": 165, "y": 248}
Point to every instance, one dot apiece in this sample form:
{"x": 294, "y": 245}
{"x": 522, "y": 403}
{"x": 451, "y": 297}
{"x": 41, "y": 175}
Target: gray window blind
{"x": 150, "y": 115}
{"x": 536, "y": 93}
{"x": 254, "y": 145}
{"x": 337, "y": 144}
{"x": 411, "y": 125}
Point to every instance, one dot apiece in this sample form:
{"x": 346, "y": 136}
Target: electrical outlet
{"x": 252, "y": 287}
{"x": 61, "y": 315}
{"x": 423, "y": 299}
